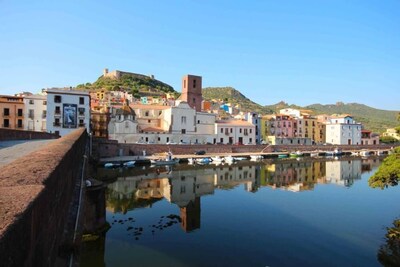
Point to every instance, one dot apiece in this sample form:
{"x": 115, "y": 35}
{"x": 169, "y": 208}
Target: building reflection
{"x": 184, "y": 185}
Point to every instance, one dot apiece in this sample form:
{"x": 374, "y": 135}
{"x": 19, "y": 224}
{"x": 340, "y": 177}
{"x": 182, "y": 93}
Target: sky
{"x": 300, "y": 52}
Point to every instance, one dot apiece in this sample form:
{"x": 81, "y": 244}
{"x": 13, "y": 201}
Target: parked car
{"x": 200, "y": 152}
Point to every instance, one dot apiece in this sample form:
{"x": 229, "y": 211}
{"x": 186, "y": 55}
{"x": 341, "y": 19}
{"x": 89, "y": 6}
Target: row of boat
{"x": 169, "y": 160}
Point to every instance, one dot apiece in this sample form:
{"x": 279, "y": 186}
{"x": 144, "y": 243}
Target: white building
{"x": 67, "y": 110}
{"x": 35, "y": 112}
{"x": 165, "y": 124}
{"x": 123, "y": 123}
{"x": 343, "y": 130}
{"x": 235, "y": 132}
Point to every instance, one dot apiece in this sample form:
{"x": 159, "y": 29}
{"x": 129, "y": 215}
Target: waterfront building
{"x": 67, "y": 110}
{"x": 235, "y": 132}
{"x": 255, "y": 119}
{"x": 35, "y": 112}
{"x": 343, "y": 130}
{"x": 369, "y": 138}
{"x": 12, "y": 112}
{"x": 273, "y": 140}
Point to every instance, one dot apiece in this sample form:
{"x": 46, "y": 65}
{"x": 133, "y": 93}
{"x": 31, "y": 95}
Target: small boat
{"x": 355, "y": 153}
{"x": 167, "y": 161}
{"x": 314, "y": 154}
{"x": 335, "y": 152}
{"x": 111, "y": 165}
{"x": 282, "y": 156}
{"x": 191, "y": 161}
{"x": 239, "y": 158}
{"x": 364, "y": 153}
{"x": 217, "y": 159}
{"x": 380, "y": 153}
{"x": 129, "y": 164}
{"x": 203, "y": 161}
{"x": 256, "y": 157}
{"x": 230, "y": 159}
{"x": 296, "y": 154}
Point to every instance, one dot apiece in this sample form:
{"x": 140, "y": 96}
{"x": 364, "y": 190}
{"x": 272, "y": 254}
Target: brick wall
{"x": 35, "y": 194}
{"x": 9, "y": 134}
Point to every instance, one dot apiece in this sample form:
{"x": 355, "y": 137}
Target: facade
{"x": 67, "y": 110}
{"x": 12, "y": 112}
{"x": 235, "y": 132}
{"x": 35, "y": 113}
{"x": 255, "y": 119}
{"x": 369, "y": 138}
{"x": 191, "y": 91}
{"x": 392, "y": 133}
{"x": 343, "y": 130}
{"x": 343, "y": 172}
{"x": 273, "y": 140}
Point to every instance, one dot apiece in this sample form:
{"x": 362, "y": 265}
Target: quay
{"x": 144, "y": 160}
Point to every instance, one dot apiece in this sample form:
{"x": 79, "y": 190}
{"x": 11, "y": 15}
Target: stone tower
{"x": 191, "y": 91}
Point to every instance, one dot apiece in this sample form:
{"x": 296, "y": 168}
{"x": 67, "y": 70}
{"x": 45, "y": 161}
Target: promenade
{"x": 12, "y": 150}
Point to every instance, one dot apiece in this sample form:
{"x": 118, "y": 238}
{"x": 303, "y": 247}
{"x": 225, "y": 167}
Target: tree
{"x": 389, "y": 254}
{"x": 388, "y": 173}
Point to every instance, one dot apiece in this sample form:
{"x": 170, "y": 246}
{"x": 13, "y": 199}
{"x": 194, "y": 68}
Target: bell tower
{"x": 191, "y": 91}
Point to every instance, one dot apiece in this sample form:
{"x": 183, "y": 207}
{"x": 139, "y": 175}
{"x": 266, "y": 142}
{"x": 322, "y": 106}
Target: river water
{"x": 307, "y": 212}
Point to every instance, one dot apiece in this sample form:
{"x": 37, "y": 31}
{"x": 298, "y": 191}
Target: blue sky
{"x": 302, "y": 52}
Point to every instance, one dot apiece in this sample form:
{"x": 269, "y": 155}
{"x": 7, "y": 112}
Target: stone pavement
{"x": 12, "y": 150}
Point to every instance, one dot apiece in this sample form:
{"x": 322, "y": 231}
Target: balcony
{"x": 56, "y": 124}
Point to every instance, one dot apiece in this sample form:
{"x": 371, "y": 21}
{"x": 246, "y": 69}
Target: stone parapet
{"x": 35, "y": 194}
{"x": 10, "y": 134}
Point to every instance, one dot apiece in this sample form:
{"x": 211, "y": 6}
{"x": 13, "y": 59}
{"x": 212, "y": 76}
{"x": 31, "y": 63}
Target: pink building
{"x": 281, "y": 125}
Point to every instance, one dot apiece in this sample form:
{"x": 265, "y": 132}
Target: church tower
{"x": 191, "y": 91}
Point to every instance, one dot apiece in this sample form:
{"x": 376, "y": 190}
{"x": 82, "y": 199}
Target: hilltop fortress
{"x": 117, "y": 74}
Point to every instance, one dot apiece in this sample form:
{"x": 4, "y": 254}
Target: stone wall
{"x": 9, "y": 134}
{"x": 110, "y": 148}
{"x": 35, "y": 194}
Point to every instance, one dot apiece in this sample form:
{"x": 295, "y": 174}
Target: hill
{"x": 138, "y": 85}
{"x": 231, "y": 95}
{"x": 373, "y": 119}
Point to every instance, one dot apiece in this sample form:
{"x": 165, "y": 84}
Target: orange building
{"x": 11, "y": 112}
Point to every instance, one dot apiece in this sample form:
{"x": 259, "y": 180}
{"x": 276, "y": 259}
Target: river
{"x": 286, "y": 212}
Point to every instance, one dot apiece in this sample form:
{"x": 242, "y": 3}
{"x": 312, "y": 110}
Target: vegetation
{"x": 233, "y": 96}
{"x": 138, "y": 86}
{"x": 387, "y": 139}
{"x": 389, "y": 254}
{"x": 388, "y": 173}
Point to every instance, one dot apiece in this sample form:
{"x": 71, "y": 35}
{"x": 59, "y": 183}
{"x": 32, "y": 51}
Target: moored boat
{"x": 129, "y": 164}
{"x": 256, "y": 157}
{"x": 282, "y": 156}
{"x": 296, "y": 154}
{"x": 217, "y": 159}
{"x": 167, "y": 161}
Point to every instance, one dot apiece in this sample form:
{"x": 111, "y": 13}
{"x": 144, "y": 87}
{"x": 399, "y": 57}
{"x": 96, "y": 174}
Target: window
{"x": 81, "y": 111}
{"x": 183, "y": 119}
{"x": 231, "y": 130}
{"x": 198, "y": 121}
{"x": 6, "y": 112}
{"x": 20, "y": 112}
{"x": 57, "y": 111}
{"x": 222, "y": 140}
{"x": 250, "y": 130}
{"x": 44, "y": 103}
{"x": 183, "y": 131}
{"x": 250, "y": 140}
{"x": 57, "y": 99}
{"x": 126, "y": 124}
{"x": 194, "y": 83}
{"x": 81, "y": 101}
{"x": 6, "y": 123}
{"x": 31, "y": 114}
{"x": 146, "y": 113}
{"x": 56, "y": 122}
{"x": 19, "y": 123}
{"x": 222, "y": 130}
{"x": 81, "y": 123}
{"x": 167, "y": 139}
{"x": 194, "y": 100}
{"x": 160, "y": 112}
{"x": 149, "y": 121}
{"x": 31, "y": 102}
{"x": 44, "y": 114}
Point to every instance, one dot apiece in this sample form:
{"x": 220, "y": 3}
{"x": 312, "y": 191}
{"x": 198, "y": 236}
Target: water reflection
{"x": 131, "y": 192}
{"x": 184, "y": 185}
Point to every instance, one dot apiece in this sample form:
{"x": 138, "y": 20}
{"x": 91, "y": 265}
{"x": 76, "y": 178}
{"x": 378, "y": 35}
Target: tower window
{"x": 194, "y": 83}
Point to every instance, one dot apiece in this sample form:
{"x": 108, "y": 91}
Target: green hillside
{"x": 231, "y": 95}
{"x": 138, "y": 86}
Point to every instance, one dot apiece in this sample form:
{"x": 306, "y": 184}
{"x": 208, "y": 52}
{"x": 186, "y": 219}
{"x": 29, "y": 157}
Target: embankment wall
{"x": 35, "y": 194}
